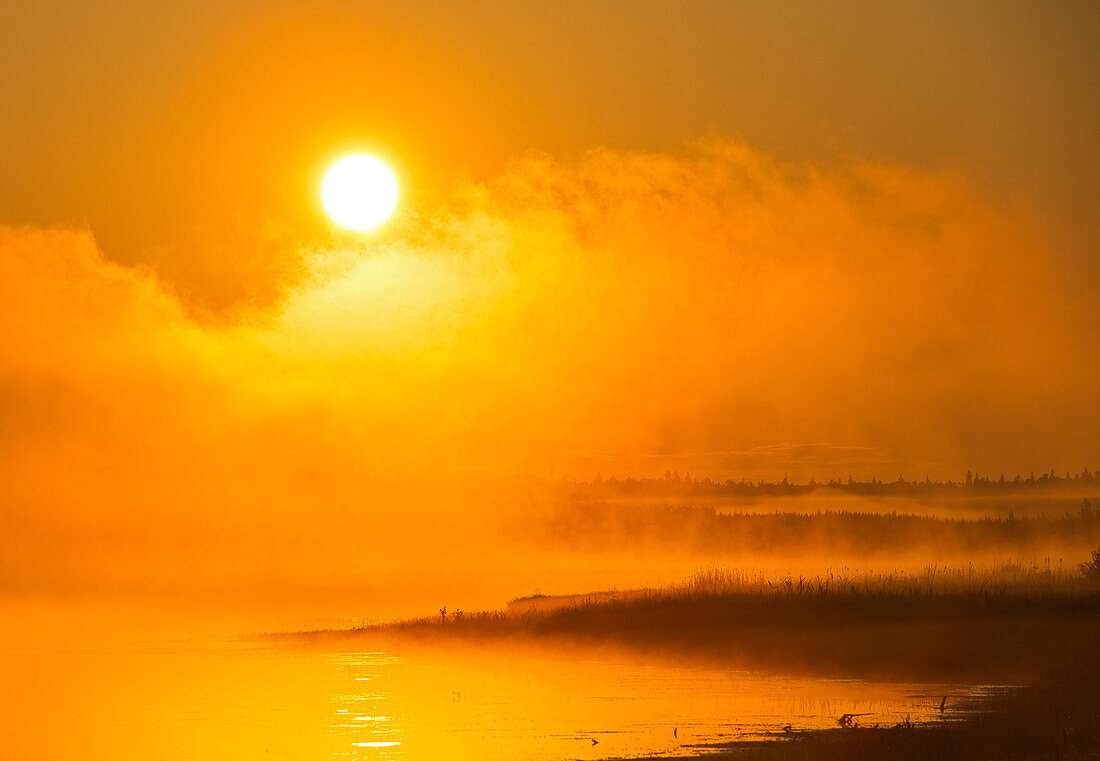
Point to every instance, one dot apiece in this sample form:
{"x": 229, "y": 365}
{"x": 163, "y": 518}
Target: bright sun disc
{"x": 359, "y": 192}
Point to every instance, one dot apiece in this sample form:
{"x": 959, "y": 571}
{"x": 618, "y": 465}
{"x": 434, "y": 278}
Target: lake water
{"x": 242, "y": 700}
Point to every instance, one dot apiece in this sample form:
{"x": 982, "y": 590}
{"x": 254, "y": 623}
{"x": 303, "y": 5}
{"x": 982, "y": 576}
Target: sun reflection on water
{"x": 549, "y": 708}
{"x": 276, "y": 703}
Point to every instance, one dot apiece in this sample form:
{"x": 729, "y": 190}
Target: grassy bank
{"x": 1005, "y": 625}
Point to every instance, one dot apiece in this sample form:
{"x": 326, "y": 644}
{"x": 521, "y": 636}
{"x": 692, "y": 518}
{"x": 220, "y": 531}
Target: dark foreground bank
{"x": 1056, "y": 718}
{"x": 942, "y": 628}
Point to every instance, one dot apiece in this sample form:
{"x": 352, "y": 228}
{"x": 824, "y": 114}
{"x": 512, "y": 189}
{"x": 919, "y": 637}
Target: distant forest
{"x": 1037, "y": 516}
{"x": 673, "y": 484}
{"x": 605, "y": 526}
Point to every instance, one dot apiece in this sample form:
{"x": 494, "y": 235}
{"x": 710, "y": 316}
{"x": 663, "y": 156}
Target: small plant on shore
{"x": 1091, "y": 568}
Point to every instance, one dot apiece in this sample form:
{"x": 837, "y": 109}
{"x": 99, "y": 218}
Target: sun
{"x": 359, "y": 192}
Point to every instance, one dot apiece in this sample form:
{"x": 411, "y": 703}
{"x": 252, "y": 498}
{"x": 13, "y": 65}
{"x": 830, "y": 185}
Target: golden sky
{"x": 746, "y": 237}
{"x": 159, "y": 122}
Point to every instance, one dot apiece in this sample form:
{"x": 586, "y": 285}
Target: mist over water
{"x": 362, "y": 431}
{"x": 709, "y": 372}
{"x": 234, "y": 700}
{"x": 178, "y": 668}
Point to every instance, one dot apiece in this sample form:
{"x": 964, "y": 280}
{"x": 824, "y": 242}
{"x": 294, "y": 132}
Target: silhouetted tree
{"x": 1091, "y": 568}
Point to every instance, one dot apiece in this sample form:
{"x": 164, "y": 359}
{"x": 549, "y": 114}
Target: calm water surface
{"x": 231, "y": 700}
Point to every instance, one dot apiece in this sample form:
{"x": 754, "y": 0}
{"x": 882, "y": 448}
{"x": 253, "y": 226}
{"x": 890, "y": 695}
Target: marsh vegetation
{"x": 1004, "y": 624}
{"x": 1029, "y": 623}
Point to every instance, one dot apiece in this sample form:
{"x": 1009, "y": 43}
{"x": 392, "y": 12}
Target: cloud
{"x": 716, "y": 307}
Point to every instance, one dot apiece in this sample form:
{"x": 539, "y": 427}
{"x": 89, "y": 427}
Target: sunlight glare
{"x": 359, "y": 192}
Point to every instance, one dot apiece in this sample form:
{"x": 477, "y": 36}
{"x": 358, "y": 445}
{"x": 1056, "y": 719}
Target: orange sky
{"x": 160, "y": 124}
{"x": 748, "y": 237}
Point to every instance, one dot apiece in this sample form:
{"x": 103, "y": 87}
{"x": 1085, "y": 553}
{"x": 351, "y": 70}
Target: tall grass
{"x": 1003, "y": 623}
{"x": 1049, "y": 579}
